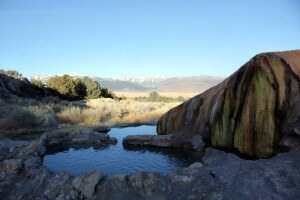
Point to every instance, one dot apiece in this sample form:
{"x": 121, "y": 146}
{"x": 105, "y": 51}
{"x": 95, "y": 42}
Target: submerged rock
{"x": 249, "y": 112}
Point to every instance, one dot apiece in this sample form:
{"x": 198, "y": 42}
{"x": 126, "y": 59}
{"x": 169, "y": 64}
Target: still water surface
{"x": 117, "y": 160}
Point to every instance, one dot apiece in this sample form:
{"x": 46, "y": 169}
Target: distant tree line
{"x": 75, "y": 88}
{"x": 13, "y": 73}
{"x": 155, "y": 97}
{"x": 67, "y": 87}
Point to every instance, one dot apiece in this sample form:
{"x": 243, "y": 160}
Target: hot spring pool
{"x": 117, "y": 160}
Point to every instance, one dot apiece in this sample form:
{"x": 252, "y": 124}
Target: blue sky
{"x": 114, "y": 38}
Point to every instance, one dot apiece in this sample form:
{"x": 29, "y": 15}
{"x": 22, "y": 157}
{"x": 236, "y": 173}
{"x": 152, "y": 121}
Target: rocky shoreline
{"x": 220, "y": 175}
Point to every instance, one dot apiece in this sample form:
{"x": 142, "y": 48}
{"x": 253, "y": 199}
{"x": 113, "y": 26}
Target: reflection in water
{"x": 118, "y": 160}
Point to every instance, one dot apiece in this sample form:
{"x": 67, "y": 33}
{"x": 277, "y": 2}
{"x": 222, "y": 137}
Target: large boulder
{"x": 249, "y": 112}
{"x": 15, "y": 87}
{"x": 12, "y": 86}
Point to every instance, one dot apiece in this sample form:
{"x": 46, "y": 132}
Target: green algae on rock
{"x": 249, "y": 112}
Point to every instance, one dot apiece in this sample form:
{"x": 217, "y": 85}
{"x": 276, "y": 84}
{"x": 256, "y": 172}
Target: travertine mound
{"x": 249, "y": 112}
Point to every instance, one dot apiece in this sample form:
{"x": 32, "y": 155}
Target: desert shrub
{"x": 24, "y": 118}
{"x": 180, "y": 99}
{"x": 105, "y": 93}
{"x": 29, "y": 117}
{"x": 93, "y": 116}
{"x": 37, "y": 83}
{"x": 83, "y": 116}
{"x": 155, "y": 97}
{"x": 45, "y": 114}
{"x": 70, "y": 115}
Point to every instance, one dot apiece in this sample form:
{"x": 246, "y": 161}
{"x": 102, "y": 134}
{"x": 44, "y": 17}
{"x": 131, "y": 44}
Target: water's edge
{"x": 115, "y": 159}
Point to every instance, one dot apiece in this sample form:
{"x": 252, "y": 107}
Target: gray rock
{"x": 60, "y": 187}
{"x": 220, "y": 175}
{"x": 11, "y": 165}
{"x": 195, "y": 165}
{"x": 32, "y": 163}
{"x": 80, "y": 138}
{"x": 194, "y": 142}
{"x": 87, "y": 182}
{"x": 149, "y": 140}
{"x": 99, "y": 129}
{"x": 99, "y": 137}
{"x": 9, "y": 145}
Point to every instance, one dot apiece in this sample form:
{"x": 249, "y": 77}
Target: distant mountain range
{"x": 173, "y": 84}
{"x": 119, "y": 84}
{"x": 159, "y": 84}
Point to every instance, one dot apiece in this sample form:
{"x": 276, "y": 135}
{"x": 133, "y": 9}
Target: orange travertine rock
{"x": 249, "y": 112}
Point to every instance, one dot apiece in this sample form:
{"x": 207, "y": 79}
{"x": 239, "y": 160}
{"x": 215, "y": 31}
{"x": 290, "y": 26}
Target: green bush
{"x": 85, "y": 88}
{"x": 81, "y": 89}
{"x": 105, "y": 93}
{"x": 93, "y": 89}
{"x": 65, "y": 85}
{"x": 37, "y": 83}
{"x": 155, "y": 97}
{"x": 180, "y": 98}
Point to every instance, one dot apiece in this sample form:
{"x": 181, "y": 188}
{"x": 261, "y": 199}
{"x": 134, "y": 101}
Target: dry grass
{"x": 18, "y": 117}
{"x": 111, "y": 112}
{"x": 50, "y": 113}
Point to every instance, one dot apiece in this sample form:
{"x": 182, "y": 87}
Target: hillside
{"x": 119, "y": 85}
{"x": 187, "y": 84}
{"x": 184, "y": 84}
{"x": 160, "y": 84}
{"x": 17, "y": 87}
{"x": 249, "y": 112}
